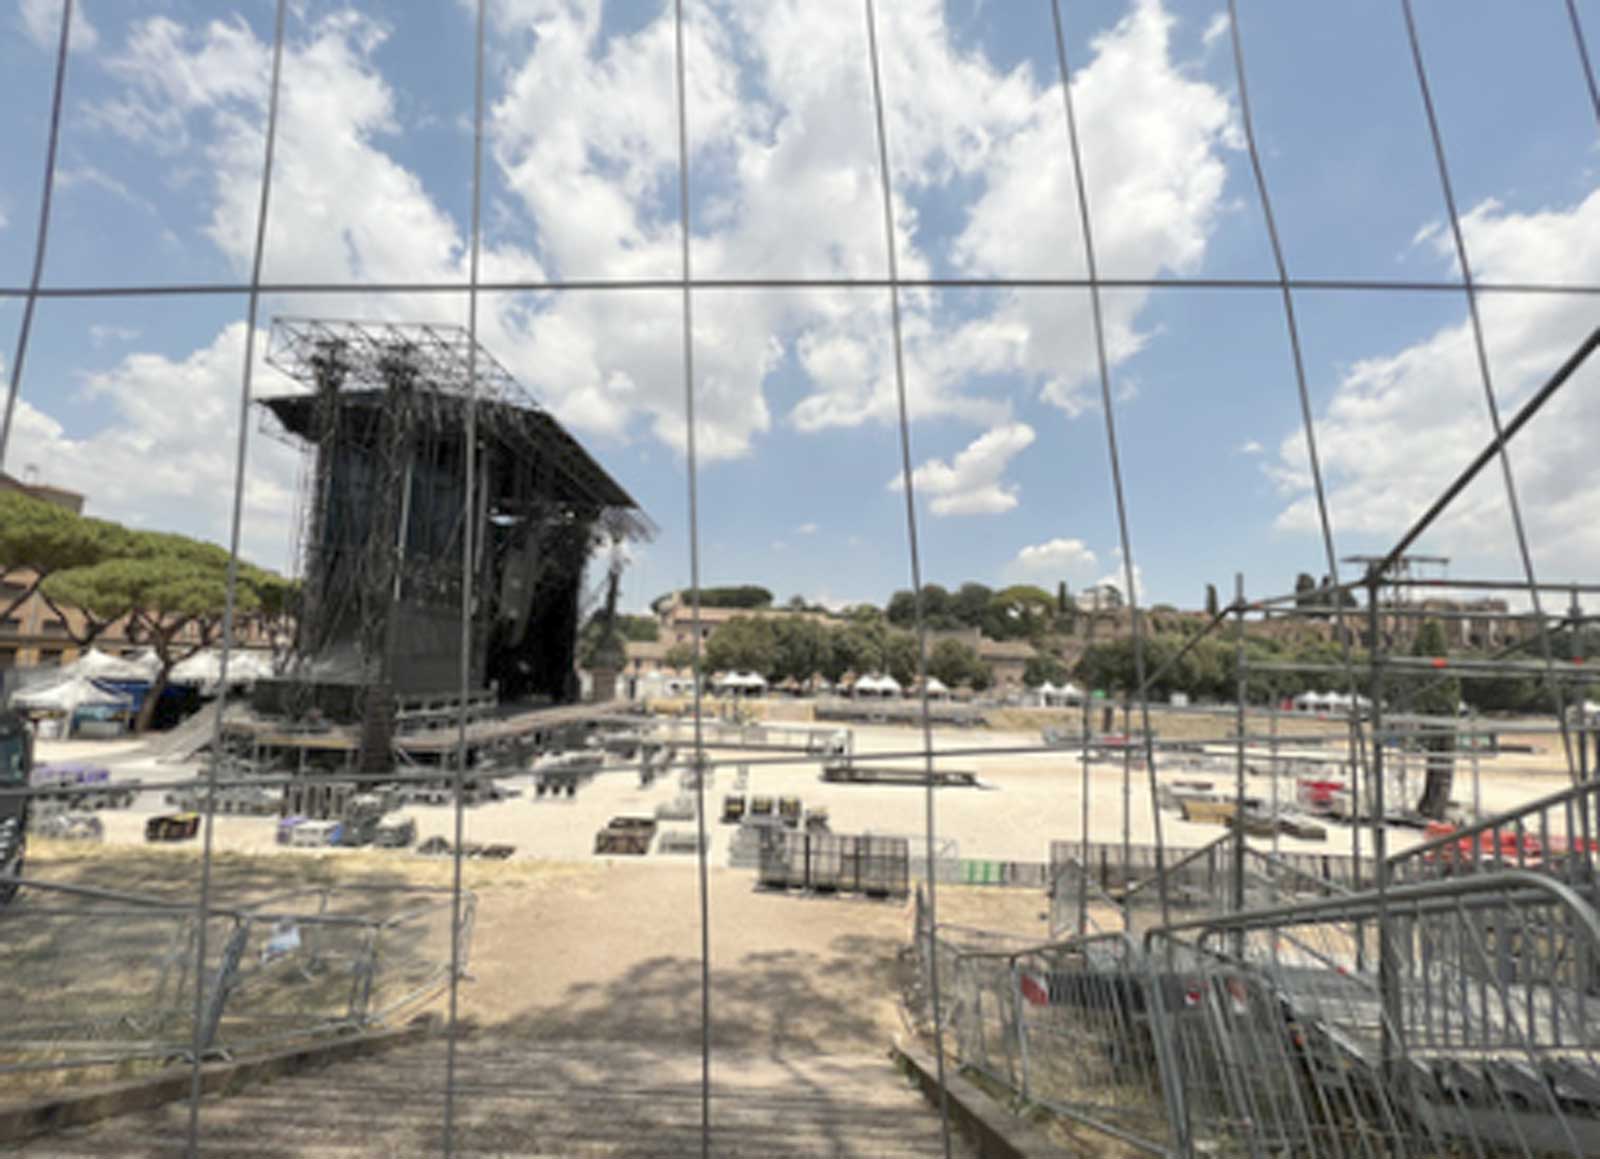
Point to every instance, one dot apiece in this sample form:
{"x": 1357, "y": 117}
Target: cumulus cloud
{"x": 166, "y": 457}
{"x": 1401, "y": 424}
{"x": 1118, "y": 579}
{"x": 42, "y": 21}
{"x": 784, "y": 159}
{"x": 970, "y": 483}
{"x": 1055, "y": 557}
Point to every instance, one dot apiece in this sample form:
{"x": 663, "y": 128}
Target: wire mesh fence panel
{"x": 82, "y": 981}
{"x": 1088, "y": 1046}
{"x": 89, "y": 980}
{"x": 410, "y": 959}
{"x": 1468, "y": 1028}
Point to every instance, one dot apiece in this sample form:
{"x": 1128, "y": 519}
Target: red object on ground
{"x": 1034, "y": 990}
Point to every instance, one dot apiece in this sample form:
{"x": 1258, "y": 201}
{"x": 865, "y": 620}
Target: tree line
{"x": 169, "y": 589}
{"x": 782, "y": 648}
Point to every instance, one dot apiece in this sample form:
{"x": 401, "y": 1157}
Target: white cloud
{"x": 166, "y": 458}
{"x": 1216, "y": 29}
{"x": 98, "y": 178}
{"x": 806, "y": 529}
{"x": 971, "y": 484}
{"x": 1059, "y": 557}
{"x": 1401, "y": 425}
{"x": 42, "y": 21}
{"x": 1251, "y": 447}
{"x": 100, "y": 334}
{"x": 583, "y": 135}
{"x": 1118, "y": 579}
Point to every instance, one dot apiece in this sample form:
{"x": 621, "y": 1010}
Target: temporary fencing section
{"x": 1470, "y": 1027}
{"x": 835, "y": 863}
{"x": 118, "y": 970}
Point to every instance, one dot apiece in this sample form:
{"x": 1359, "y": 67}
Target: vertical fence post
{"x": 361, "y": 992}
{"x": 1241, "y": 723}
{"x": 221, "y": 985}
{"x": 1019, "y": 1016}
{"x": 1168, "y": 1069}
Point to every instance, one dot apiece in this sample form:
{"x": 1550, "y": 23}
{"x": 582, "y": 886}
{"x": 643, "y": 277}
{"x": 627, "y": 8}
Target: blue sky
{"x": 133, "y": 401}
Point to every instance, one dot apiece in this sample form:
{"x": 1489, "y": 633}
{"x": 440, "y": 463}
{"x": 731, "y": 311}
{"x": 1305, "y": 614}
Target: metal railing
{"x": 1557, "y": 835}
{"x": 91, "y": 977}
{"x": 1450, "y": 1017}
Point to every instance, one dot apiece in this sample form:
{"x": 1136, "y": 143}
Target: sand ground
{"x": 1023, "y": 803}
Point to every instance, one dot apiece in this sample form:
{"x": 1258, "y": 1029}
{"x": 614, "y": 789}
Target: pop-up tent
{"x": 876, "y": 686}
{"x": 97, "y": 665}
{"x": 59, "y": 703}
{"x": 68, "y": 695}
{"x": 205, "y": 668}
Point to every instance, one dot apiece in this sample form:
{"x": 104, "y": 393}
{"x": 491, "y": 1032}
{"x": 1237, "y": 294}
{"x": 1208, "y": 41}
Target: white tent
{"x": 69, "y": 695}
{"x": 937, "y": 687}
{"x": 1070, "y": 693}
{"x": 877, "y": 686}
{"x": 205, "y": 667}
{"x": 748, "y": 683}
{"x": 97, "y": 665}
{"x": 1049, "y": 695}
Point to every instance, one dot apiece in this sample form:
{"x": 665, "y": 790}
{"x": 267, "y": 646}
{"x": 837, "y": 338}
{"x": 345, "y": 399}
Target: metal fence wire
{"x": 93, "y": 976}
{"x": 1466, "y": 1028}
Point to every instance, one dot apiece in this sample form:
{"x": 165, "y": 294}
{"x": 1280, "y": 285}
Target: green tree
{"x": 804, "y": 647}
{"x": 680, "y": 657}
{"x": 1212, "y": 603}
{"x": 1043, "y": 669}
{"x": 739, "y": 596}
{"x": 900, "y": 656}
{"x": 743, "y": 644}
{"x": 1304, "y": 585}
{"x": 1022, "y": 611}
{"x": 742, "y": 596}
{"x": 970, "y": 603}
{"x": 902, "y": 608}
{"x": 45, "y": 538}
{"x": 164, "y": 596}
{"x": 953, "y": 662}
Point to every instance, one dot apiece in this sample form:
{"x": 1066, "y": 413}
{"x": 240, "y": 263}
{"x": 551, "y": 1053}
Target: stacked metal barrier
{"x": 1470, "y": 1026}
{"x": 95, "y": 977}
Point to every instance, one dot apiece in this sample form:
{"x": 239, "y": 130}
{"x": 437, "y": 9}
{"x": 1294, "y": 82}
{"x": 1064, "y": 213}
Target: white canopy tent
{"x": 745, "y": 683}
{"x": 1049, "y": 695}
{"x": 205, "y": 668}
{"x": 68, "y": 695}
{"x": 884, "y": 685}
{"x": 97, "y": 665}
